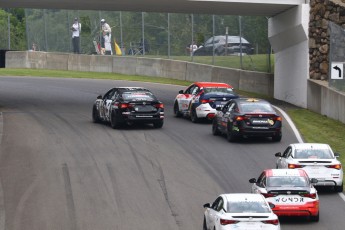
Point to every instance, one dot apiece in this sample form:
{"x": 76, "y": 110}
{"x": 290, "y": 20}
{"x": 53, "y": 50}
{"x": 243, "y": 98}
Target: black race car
{"x": 128, "y": 105}
{"x": 247, "y": 117}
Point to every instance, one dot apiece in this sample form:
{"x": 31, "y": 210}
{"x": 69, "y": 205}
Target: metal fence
{"x": 166, "y": 35}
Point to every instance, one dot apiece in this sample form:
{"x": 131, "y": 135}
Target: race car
{"x": 200, "y": 100}
{"x": 290, "y": 190}
{"x": 318, "y": 160}
{"x": 240, "y": 211}
{"x": 128, "y": 105}
{"x": 247, "y": 117}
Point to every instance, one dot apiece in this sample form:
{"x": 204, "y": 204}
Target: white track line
{"x": 299, "y": 138}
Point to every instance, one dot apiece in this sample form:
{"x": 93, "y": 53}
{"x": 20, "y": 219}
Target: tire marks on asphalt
{"x": 69, "y": 198}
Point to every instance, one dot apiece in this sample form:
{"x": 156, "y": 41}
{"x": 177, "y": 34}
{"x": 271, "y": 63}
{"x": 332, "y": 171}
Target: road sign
{"x": 337, "y": 72}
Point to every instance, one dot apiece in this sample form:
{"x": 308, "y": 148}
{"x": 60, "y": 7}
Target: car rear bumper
{"x": 259, "y": 132}
{"x": 142, "y": 118}
{"x": 308, "y": 209}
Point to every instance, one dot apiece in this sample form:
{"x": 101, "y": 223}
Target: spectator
{"x": 191, "y": 48}
{"x": 106, "y": 34}
{"x": 76, "y": 29}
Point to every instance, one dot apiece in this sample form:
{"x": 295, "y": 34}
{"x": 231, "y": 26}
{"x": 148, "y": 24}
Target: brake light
{"x": 266, "y": 195}
{"x": 239, "y": 118}
{"x": 159, "y": 106}
{"x": 204, "y": 101}
{"x": 226, "y": 222}
{"x": 124, "y": 106}
{"x": 294, "y": 166}
{"x": 336, "y": 166}
{"x": 309, "y": 195}
{"x": 274, "y": 222}
{"x": 278, "y": 118}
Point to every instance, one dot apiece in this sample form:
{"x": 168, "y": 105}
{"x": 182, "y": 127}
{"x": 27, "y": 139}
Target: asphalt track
{"x": 61, "y": 171}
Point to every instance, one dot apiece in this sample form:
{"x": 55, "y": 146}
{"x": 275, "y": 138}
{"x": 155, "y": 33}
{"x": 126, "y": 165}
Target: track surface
{"x": 61, "y": 171}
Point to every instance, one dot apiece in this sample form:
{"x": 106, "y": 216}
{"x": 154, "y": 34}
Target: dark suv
{"x": 224, "y": 45}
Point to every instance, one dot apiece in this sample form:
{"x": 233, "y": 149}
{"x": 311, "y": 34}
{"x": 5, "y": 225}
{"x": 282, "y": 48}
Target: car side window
{"x": 216, "y": 203}
{"x": 195, "y": 90}
{"x": 190, "y": 89}
{"x": 220, "y": 205}
{"x": 109, "y": 94}
{"x": 232, "y": 107}
{"x": 115, "y": 95}
{"x": 287, "y": 152}
{"x": 260, "y": 179}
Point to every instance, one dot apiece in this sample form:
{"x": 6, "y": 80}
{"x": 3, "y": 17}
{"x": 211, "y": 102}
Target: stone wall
{"x": 321, "y": 13}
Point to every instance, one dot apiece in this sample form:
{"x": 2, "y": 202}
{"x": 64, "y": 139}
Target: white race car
{"x": 318, "y": 160}
{"x": 239, "y": 211}
{"x": 200, "y": 100}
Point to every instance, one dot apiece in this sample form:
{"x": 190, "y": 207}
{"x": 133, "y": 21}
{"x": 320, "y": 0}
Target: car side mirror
{"x": 336, "y": 154}
{"x": 99, "y": 97}
{"x": 313, "y": 180}
{"x": 180, "y": 92}
{"x": 272, "y": 206}
{"x": 207, "y": 205}
{"x": 252, "y": 180}
{"x": 279, "y": 154}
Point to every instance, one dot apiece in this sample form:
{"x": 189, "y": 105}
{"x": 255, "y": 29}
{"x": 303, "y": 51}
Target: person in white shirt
{"x": 192, "y": 48}
{"x": 106, "y": 32}
{"x": 76, "y": 29}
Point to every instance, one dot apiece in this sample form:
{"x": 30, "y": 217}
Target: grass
{"x": 312, "y": 126}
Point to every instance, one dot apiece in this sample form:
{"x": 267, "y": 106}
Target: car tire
{"x": 229, "y": 135}
{"x": 204, "y": 225}
{"x": 193, "y": 117}
{"x": 215, "y": 130}
{"x": 158, "y": 124}
{"x": 113, "y": 123}
{"x": 339, "y": 188}
{"x": 177, "y": 113}
{"x": 95, "y": 115}
{"x": 315, "y": 218}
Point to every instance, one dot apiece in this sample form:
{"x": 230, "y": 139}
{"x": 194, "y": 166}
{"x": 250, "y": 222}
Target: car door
{"x": 214, "y": 214}
{"x": 220, "y": 116}
{"x": 228, "y": 115}
{"x": 106, "y": 103}
{"x": 283, "y": 161}
{"x": 186, "y": 99}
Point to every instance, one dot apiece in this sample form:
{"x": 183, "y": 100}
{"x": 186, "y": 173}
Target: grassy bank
{"x": 312, "y": 126}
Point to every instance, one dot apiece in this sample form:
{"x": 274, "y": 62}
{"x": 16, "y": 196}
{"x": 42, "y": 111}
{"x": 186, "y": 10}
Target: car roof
{"x": 285, "y": 172}
{"x": 250, "y": 197}
{"x": 233, "y": 39}
{"x": 212, "y": 84}
{"x": 248, "y": 100}
{"x": 132, "y": 88}
{"x": 310, "y": 146}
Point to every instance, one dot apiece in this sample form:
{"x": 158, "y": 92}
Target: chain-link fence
{"x": 165, "y": 35}
{"x": 5, "y": 41}
{"x": 337, "y": 57}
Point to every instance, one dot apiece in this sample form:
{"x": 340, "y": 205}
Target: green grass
{"x": 312, "y": 126}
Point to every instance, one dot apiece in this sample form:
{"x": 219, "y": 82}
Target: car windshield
{"x": 313, "y": 154}
{"x": 248, "y": 207}
{"x": 256, "y": 108}
{"x": 138, "y": 96}
{"x": 218, "y": 90}
{"x": 287, "y": 181}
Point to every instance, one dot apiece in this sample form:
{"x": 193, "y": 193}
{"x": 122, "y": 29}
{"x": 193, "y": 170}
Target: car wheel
{"x": 194, "y": 118}
{"x": 95, "y": 115}
{"x": 315, "y": 218}
{"x": 229, "y": 135}
{"x": 204, "y": 225}
{"x": 177, "y": 113}
{"x": 277, "y": 138}
{"x": 113, "y": 123}
{"x": 339, "y": 188}
{"x": 158, "y": 124}
{"x": 215, "y": 130}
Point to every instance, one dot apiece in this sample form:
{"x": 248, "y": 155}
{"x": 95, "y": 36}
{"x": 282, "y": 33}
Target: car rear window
{"x": 248, "y": 207}
{"x": 313, "y": 154}
{"x": 218, "y": 90}
{"x": 252, "y": 107}
{"x": 138, "y": 96}
{"x": 287, "y": 181}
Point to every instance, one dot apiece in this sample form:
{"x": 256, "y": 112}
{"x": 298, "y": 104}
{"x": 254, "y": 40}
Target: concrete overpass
{"x": 288, "y": 29}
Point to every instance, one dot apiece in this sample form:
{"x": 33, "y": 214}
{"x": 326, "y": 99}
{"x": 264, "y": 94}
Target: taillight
{"x": 226, "y": 222}
{"x": 239, "y": 118}
{"x": 309, "y": 195}
{"x": 204, "y": 101}
{"x": 278, "y": 118}
{"x": 294, "y": 166}
{"x": 336, "y": 166}
{"x": 274, "y": 222}
{"x": 159, "y": 106}
{"x": 124, "y": 106}
{"x": 269, "y": 195}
